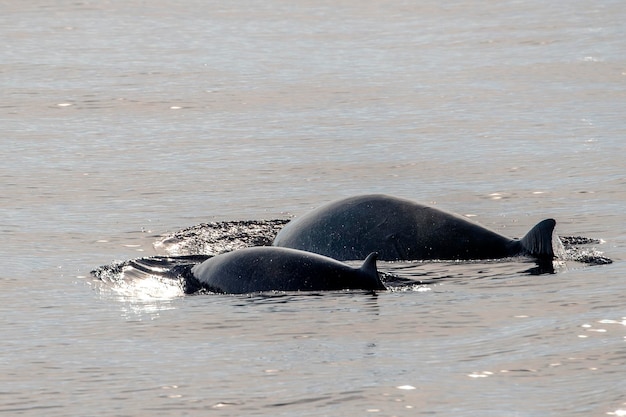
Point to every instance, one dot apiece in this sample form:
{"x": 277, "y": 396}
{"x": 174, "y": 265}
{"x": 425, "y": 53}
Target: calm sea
{"x": 122, "y": 121}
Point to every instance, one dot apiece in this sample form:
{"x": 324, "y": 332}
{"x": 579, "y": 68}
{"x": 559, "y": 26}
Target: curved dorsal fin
{"x": 369, "y": 269}
{"x": 538, "y": 241}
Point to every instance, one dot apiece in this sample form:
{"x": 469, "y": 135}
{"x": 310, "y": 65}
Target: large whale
{"x": 267, "y": 268}
{"x": 400, "y": 229}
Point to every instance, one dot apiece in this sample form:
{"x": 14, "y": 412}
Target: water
{"x": 124, "y": 121}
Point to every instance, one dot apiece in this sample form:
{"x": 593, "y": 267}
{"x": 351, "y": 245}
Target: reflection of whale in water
{"x": 400, "y": 229}
{"x": 266, "y": 268}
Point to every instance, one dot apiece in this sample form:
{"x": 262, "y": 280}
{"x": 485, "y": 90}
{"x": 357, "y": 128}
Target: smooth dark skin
{"x": 267, "y": 268}
{"x": 400, "y": 229}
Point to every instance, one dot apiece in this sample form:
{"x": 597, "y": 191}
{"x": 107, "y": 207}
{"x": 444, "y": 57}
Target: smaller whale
{"x": 267, "y": 268}
{"x": 402, "y": 230}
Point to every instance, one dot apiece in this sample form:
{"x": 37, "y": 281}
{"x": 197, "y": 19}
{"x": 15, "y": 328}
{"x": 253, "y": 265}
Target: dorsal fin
{"x": 538, "y": 241}
{"x": 369, "y": 269}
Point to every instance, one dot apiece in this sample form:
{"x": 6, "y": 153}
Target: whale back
{"x": 398, "y": 229}
{"x": 260, "y": 269}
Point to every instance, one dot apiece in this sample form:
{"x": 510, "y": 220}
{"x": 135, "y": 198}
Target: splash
{"x": 582, "y": 249}
{"x": 220, "y": 237}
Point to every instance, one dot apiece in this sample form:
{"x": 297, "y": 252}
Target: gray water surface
{"x": 123, "y": 121}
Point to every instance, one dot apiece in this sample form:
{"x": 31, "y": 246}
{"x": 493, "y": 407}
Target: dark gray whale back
{"x": 269, "y": 268}
{"x": 400, "y": 229}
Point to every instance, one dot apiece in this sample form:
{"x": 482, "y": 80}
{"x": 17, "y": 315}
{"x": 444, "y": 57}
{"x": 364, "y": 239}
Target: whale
{"x": 267, "y": 268}
{"x": 399, "y": 229}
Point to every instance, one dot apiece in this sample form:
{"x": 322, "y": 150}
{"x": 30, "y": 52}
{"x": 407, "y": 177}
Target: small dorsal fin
{"x": 538, "y": 241}
{"x": 369, "y": 269}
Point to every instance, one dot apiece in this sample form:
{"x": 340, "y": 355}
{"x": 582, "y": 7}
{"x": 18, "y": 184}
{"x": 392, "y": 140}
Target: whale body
{"x": 400, "y": 229}
{"x": 267, "y": 268}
